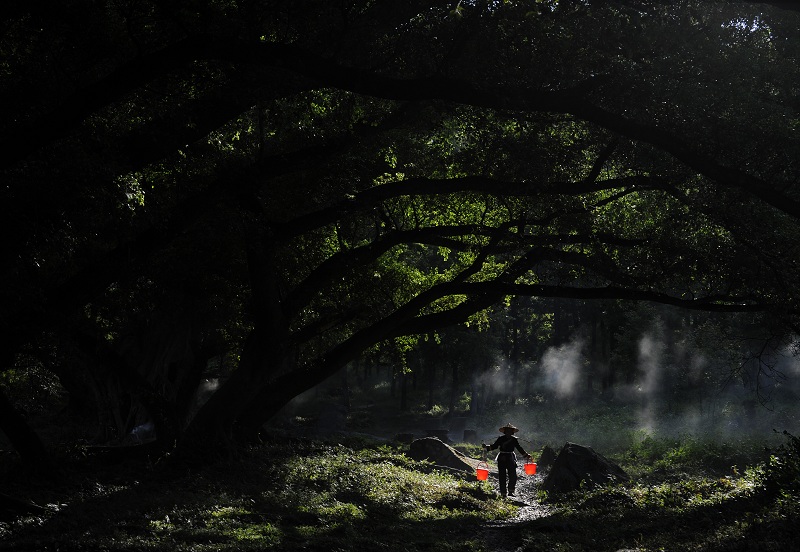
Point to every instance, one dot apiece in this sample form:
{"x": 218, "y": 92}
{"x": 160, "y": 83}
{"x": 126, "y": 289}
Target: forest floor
{"x": 505, "y": 535}
{"x": 304, "y": 489}
{"x": 361, "y": 496}
{"x": 297, "y": 495}
{"x": 357, "y": 496}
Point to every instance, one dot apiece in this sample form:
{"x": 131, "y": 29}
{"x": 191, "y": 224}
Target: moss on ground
{"x": 322, "y": 496}
{"x": 308, "y": 496}
{"x": 687, "y": 495}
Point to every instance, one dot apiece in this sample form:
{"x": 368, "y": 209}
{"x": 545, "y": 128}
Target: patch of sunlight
{"x": 266, "y": 533}
{"x": 229, "y": 511}
{"x": 307, "y": 531}
{"x": 339, "y": 510}
{"x": 162, "y": 525}
{"x": 436, "y": 410}
{"x": 241, "y": 524}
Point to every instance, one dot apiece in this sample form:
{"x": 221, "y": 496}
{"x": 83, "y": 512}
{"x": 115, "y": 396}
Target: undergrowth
{"x": 684, "y": 494}
{"x": 309, "y": 496}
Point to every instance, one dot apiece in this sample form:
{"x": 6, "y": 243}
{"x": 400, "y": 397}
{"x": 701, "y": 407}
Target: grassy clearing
{"x": 685, "y": 494}
{"x": 308, "y": 496}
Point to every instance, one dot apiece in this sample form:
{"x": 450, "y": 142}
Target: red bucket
{"x": 530, "y": 468}
{"x": 482, "y": 471}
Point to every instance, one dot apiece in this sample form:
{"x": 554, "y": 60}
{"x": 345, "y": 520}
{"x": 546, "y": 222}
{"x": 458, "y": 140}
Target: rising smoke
{"x": 562, "y": 368}
{"x": 651, "y": 364}
{"x": 679, "y": 390}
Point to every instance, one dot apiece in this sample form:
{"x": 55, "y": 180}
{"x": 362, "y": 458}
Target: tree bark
{"x": 266, "y": 353}
{"x": 453, "y": 390}
{"x": 431, "y": 376}
{"x": 403, "y": 391}
{"x": 212, "y": 431}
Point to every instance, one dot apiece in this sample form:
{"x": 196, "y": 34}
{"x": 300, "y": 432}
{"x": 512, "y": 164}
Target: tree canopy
{"x": 265, "y": 190}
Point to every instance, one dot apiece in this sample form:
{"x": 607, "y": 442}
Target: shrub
{"x": 782, "y": 473}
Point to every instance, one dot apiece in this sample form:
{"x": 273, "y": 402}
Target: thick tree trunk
{"x": 264, "y": 355}
{"x": 174, "y": 419}
{"x": 211, "y": 431}
{"x": 268, "y": 377}
{"x": 268, "y": 403}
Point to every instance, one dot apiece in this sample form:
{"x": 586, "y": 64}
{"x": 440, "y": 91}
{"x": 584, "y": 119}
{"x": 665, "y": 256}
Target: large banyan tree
{"x": 264, "y": 189}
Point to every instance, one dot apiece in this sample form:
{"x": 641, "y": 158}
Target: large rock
{"x": 577, "y": 464}
{"x": 546, "y": 457}
{"x": 441, "y": 454}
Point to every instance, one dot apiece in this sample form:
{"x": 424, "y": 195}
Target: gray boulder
{"x": 441, "y": 454}
{"x": 578, "y": 464}
{"x": 546, "y": 457}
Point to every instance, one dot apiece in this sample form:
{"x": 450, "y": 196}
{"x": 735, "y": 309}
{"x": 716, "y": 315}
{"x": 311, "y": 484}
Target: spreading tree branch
{"x": 371, "y": 197}
{"x": 328, "y": 72}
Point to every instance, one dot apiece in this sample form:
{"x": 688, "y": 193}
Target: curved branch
{"x": 329, "y": 73}
{"x": 602, "y": 158}
{"x": 345, "y": 261}
{"x": 568, "y": 101}
{"x": 430, "y": 322}
{"x": 710, "y": 303}
{"x": 407, "y": 320}
{"x": 371, "y": 197}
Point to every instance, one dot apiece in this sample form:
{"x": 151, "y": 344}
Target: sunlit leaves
{"x": 505, "y": 87}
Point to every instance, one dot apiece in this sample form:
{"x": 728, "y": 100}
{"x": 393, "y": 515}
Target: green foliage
{"x": 220, "y": 192}
{"x": 782, "y": 473}
{"x": 34, "y": 389}
{"x": 337, "y": 483}
{"x": 676, "y": 501}
{"x": 435, "y": 411}
{"x": 300, "y": 495}
{"x": 696, "y": 452}
{"x": 296, "y": 497}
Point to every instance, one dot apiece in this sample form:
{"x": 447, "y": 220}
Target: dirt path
{"x": 506, "y": 536}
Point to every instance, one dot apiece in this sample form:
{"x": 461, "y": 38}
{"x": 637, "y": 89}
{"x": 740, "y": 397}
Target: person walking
{"x": 506, "y": 458}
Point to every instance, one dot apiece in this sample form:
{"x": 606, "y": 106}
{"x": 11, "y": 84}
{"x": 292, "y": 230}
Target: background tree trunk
{"x": 403, "y": 391}
{"x": 453, "y": 390}
{"x": 431, "y": 377}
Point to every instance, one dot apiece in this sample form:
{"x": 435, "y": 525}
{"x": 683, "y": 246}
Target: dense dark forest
{"x": 220, "y": 216}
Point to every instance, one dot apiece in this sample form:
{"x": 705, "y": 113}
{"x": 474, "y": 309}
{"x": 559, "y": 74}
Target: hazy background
{"x": 674, "y": 389}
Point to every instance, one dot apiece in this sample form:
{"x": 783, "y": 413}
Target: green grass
{"x": 308, "y": 496}
{"x": 685, "y": 494}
